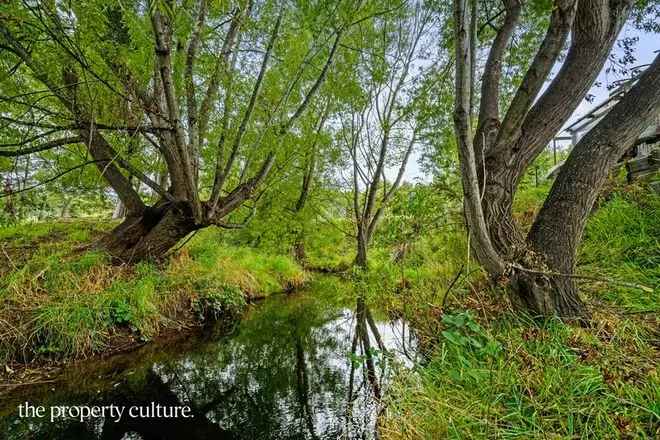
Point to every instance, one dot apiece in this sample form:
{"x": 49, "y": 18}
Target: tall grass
{"x": 510, "y": 378}
{"x": 59, "y": 302}
{"x": 495, "y": 373}
{"x": 622, "y": 241}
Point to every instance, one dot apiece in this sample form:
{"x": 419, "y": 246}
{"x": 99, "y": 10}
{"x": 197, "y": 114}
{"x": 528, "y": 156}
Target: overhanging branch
{"x": 42, "y": 147}
{"x": 51, "y": 179}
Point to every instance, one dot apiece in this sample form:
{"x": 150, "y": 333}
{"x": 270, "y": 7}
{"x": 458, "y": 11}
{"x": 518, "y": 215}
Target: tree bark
{"x": 557, "y": 230}
{"x": 361, "y": 257}
{"x": 150, "y": 234}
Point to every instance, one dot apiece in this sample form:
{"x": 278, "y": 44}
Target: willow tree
{"x": 496, "y": 152}
{"x": 381, "y": 125}
{"x": 212, "y": 89}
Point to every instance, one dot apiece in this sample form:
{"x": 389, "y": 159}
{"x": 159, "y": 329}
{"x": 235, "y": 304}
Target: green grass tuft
{"x": 493, "y": 373}
{"x": 59, "y": 302}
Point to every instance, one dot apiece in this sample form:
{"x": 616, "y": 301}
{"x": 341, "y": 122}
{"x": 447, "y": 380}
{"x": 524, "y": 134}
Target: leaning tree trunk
{"x": 494, "y": 161}
{"x": 558, "y": 228}
{"x": 150, "y": 234}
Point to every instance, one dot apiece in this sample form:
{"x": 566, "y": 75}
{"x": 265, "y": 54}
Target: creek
{"x": 313, "y": 364}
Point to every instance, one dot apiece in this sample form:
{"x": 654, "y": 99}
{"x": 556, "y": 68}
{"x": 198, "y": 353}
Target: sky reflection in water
{"x": 296, "y": 367}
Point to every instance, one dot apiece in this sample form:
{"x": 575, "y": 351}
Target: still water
{"x": 300, "y": 366}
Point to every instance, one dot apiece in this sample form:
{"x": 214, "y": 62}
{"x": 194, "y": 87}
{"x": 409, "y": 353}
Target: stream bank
{"x": 61, "y": 303}
{"x": 309, "y": 365}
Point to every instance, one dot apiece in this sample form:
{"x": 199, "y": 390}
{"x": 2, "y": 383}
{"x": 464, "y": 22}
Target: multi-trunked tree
{"x": 212, "y": 92}
{"x": 539, "y": 268}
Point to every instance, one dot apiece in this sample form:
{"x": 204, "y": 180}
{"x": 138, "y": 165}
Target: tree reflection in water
{"x": 297, "y": 367}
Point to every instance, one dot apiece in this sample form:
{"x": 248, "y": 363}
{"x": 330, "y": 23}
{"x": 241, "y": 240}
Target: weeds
{"x": 493, "y": 373}
{"x": 510, "y": 378}
{"x": 61, "y": 303}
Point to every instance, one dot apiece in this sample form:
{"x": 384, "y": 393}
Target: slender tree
{"x": 380, "y": 129}
{"x": 310, "y": 165}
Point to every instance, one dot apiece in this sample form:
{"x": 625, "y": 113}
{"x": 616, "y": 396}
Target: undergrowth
{"x": 492, "y": 372}
{"x": 59, "y": 301}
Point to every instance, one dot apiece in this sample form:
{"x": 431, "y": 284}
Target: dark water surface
{"x": 302, "y": 366}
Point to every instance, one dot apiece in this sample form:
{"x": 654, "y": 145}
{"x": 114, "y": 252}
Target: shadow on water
{"x": 296, "y": 367}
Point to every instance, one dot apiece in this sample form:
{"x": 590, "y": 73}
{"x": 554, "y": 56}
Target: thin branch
{"x": 317, "y": 84}
{"x": 42, "y": 147}
{"x": 191, "y": 55}
{"x": 240, "y": 225}
{"x": 221, "y": 176}
{"x": 560, "y": 25}
{"x": 490, "y": 81}
{"x": 51, "y": 179}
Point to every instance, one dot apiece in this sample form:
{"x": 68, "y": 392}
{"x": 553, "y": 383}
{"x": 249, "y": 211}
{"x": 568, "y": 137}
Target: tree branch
{"x": 163, "y": 37}
{"x": 596, "y": 26}
{"x": 315, "y": 87}
{"x": 222, "y": 65}
{"x": 483, "y": 246}
{"x": 560, "y": 25}
{"x": 191, "y": 100}
{"x": 490, "y": 81}
{"x": 241, "y": 193}
{"x": 221, "y": 175}
{"x": 42, "y": 147}
{"x": 558, "y": 227}
{"x": 98, "y": 147}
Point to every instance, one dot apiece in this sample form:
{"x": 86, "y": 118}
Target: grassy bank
{"x": 59, "y": 302}
{"x": 494, "y": 373}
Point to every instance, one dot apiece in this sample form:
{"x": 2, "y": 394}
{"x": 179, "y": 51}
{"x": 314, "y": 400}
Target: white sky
{"x": 645, "y": 48}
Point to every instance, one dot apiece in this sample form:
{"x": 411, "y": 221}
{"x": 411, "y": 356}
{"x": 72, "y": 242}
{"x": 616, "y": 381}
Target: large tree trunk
{"x": 494, "y": 161}
{"x": 151, "y": 234}
{"x": 557, "y": 231}
{"x": 594, "y": 30}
